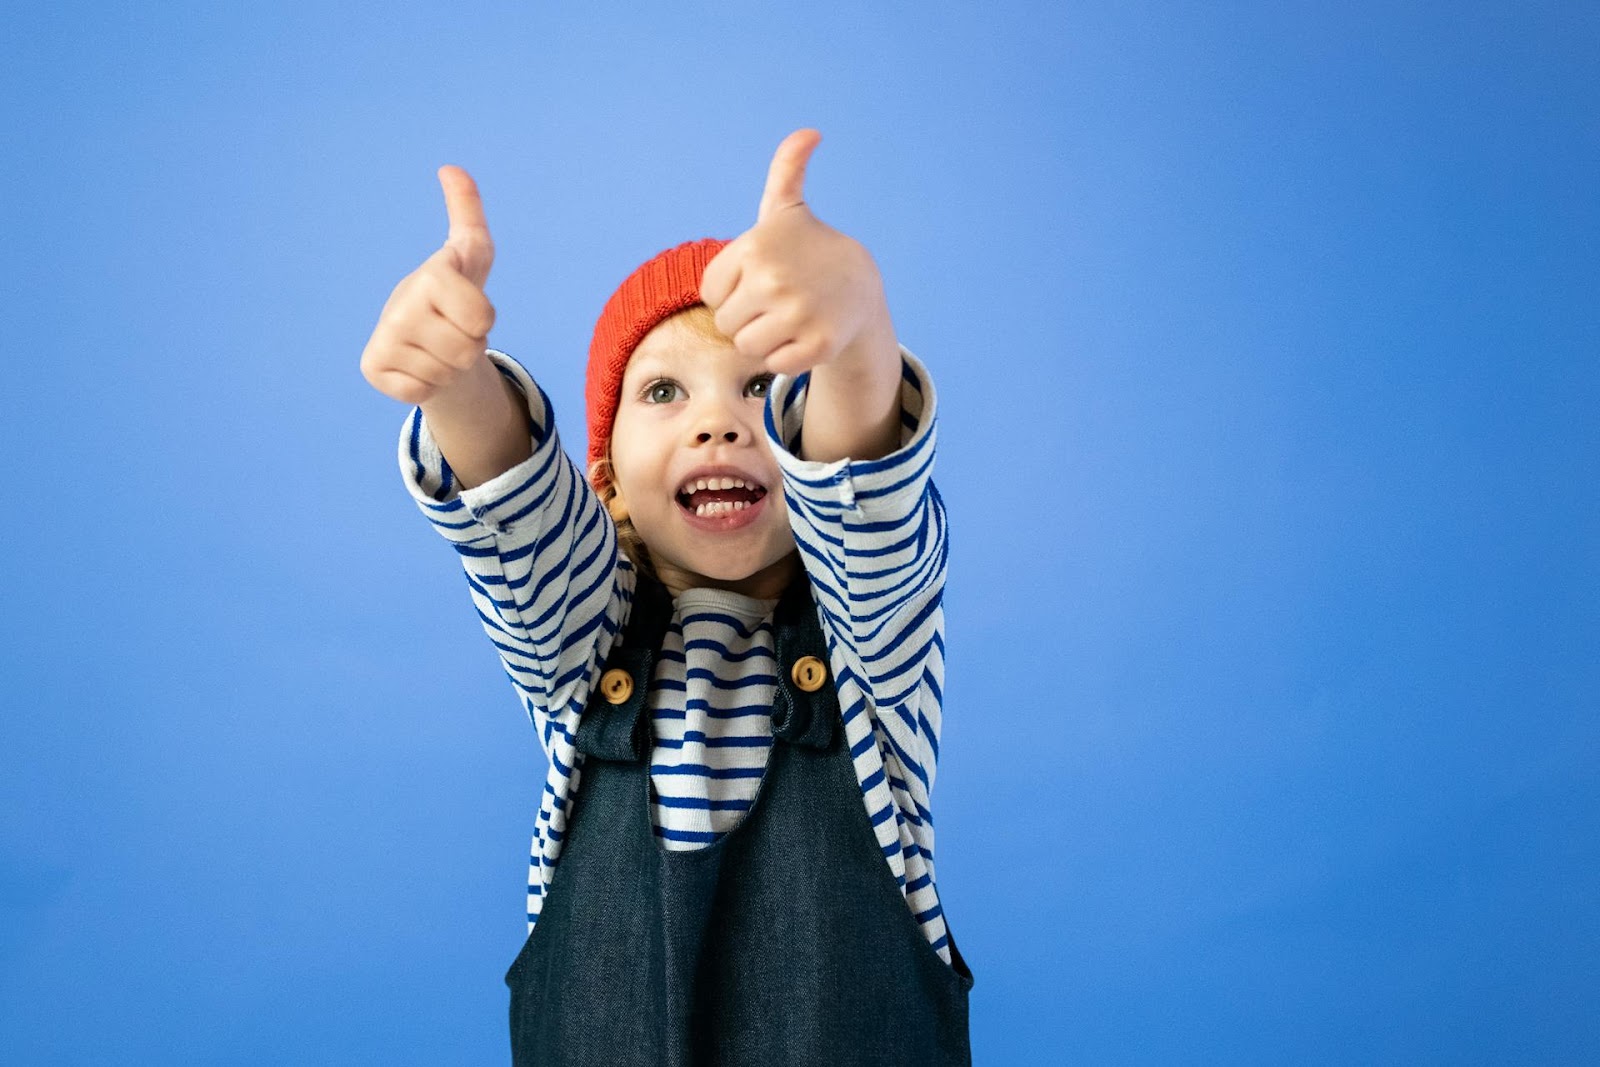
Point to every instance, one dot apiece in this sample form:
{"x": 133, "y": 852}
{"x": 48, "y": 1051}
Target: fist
{"x": 792, "y": 291}
{"x": 434, "y": 328}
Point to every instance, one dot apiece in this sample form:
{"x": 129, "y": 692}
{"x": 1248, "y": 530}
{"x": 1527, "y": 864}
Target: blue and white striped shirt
{"x": 553, "y": 591}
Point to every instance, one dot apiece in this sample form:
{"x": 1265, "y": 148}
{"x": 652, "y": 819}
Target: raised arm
{"x": 540, "y": 556}
{"x": 481, "y": 458}
{"x": 851, "y": 421}
{"x": 872, "y": 537}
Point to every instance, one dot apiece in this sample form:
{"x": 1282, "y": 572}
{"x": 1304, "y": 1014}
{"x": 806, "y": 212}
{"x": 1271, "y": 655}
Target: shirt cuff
{"x": 871, "y": 487}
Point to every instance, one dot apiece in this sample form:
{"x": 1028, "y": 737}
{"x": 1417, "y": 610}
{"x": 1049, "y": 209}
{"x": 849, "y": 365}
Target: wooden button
{"x": 616, "y": 685}
{"x": 809, "y": 673}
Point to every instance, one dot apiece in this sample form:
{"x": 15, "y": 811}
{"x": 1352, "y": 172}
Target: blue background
{"x": 1266, "y": 342}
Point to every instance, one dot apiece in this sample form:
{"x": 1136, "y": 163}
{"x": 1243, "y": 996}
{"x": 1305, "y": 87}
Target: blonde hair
{"x": 701, "y": 321}
{"x": 628, "y": 538}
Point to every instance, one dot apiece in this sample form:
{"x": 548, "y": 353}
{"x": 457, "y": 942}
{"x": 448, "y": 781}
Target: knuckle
{"x": 417, "y": 285}
{"x": 378, "y": 356}
{"x": 428, "y": 281}
{"x": 770, "y": 277}
{"x": 751, "y": 348}
{"x": 441, "y": 261}
{"x": 395, "y": 386}
{"x": 403, "y": 313}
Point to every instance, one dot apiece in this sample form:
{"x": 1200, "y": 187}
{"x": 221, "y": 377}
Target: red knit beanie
{"x": 661, "y": 287}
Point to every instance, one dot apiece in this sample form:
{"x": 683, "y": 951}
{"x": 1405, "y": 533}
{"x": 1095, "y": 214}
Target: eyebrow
{"x": 647, "y": 366}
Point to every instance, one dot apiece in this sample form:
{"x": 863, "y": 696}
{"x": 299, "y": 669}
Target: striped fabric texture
{"x": 552, "y": 591}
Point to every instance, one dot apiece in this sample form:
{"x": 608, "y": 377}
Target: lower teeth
{"x": 720, "y": 507}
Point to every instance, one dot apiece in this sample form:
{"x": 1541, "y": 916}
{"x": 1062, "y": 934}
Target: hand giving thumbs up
{"x": 791, "y": 290}
{"x": 433, "y": 330}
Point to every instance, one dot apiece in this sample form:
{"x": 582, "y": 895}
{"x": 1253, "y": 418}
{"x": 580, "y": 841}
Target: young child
{"x": 729, "y": 638}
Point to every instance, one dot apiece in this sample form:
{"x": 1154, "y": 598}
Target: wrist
{"x": 470, "y": 391}
{"x": 480, "y": 424}
{"x": 872, "y": 356}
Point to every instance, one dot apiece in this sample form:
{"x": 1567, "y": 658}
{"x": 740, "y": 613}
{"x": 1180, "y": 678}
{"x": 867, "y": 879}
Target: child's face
{"x": 690, "y": 461}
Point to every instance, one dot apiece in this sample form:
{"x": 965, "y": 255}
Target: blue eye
{"x": 661, "y": 392}
{"x": 759, "y": 386}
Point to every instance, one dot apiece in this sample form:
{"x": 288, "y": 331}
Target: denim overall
{"x": 787, "y": 941}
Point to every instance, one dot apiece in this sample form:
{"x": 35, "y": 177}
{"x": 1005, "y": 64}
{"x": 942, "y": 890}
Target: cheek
{"x": 780, "y": 514}
{"x": 631, "y": 499}
{"x": 642, "y": 490}
{"x": 630, "y": 461}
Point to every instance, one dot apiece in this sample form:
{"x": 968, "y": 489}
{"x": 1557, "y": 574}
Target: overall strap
{"x": 807, "y": 702}
{"x": 621, "y": 730}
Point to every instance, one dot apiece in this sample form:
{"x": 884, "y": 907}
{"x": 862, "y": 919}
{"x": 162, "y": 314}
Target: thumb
{"x": 786, "y": 177}
{"x": 469, "y": 230}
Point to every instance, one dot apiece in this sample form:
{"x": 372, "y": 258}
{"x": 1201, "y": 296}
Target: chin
{"x": 762, "y": 578}
{"x": 723, "y": 570}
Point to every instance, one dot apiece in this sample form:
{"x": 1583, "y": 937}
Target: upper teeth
{"x": 715, "y": 483}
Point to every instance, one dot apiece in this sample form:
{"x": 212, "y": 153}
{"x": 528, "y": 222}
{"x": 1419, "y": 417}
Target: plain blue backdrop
{"x": 1266, "y": 338}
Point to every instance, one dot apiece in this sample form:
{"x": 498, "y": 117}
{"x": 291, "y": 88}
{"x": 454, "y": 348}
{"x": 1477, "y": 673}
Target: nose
{"x": 716, "y": 421}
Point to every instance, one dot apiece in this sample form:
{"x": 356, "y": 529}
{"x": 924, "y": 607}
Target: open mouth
{"x": 711, "y": 497}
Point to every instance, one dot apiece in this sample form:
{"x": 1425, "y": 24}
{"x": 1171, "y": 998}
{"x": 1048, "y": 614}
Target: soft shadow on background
{"x": 1266, "y": 344}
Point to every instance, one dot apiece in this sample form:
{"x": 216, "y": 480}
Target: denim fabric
{"x": 787, "y": 941}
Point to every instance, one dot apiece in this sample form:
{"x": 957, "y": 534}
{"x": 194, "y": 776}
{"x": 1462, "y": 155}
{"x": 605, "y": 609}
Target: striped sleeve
{"x": 871, "y": 534}
{"x": 541, "y": 563}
